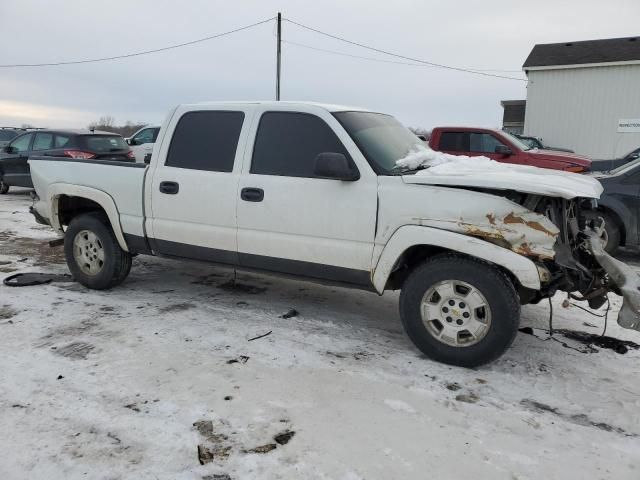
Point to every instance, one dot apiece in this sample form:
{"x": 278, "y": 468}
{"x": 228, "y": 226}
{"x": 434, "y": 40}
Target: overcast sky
{"x": 481, "y": 35}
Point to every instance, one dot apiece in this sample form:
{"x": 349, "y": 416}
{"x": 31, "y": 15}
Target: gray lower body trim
{"x": 316, "y": 272}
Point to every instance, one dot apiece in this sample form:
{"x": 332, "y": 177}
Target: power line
{"x": 382, "y": 60}
{"x": 137, "y": 54}
{"x": 404, "y": 57}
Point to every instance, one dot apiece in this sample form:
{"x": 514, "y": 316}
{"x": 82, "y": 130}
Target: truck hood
{"x": 483, "y": 172}
{"x": 556, "y": 156}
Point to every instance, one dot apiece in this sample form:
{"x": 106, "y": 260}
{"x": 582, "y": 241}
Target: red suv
{"x": 503, "y": 147}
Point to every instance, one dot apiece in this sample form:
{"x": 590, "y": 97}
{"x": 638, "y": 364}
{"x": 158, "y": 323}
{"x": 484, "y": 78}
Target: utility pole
{"x": 279, "y": 22}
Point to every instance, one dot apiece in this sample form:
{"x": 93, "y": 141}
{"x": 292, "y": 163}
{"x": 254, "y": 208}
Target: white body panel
{"x": 405, "y": 237}
{"x": 579, "y": 108}
{"x": 322, "y": 221}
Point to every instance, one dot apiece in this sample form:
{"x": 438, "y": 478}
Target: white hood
{"x": 463, "y": 171}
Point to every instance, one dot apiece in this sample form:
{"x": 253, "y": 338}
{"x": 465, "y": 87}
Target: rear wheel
{"x": 93, "y": 254}
{"x": 4, "y": 188}
{"x": 460, "y": 311}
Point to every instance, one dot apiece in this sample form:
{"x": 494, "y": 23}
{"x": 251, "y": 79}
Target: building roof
{"x": 584, "y": 52}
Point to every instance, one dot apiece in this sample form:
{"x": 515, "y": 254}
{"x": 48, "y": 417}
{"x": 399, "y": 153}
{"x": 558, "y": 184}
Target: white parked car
{"x": 342, "y": 195}
{"x": 141, "y": 142}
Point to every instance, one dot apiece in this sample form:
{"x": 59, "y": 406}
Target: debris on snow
{"x": 209, "y": 453}
{"x": 284, "y": 437}
{"x": 262, "y": 448}
{"x": 260, "y": 336}
{"x": 290, "y": 313}
{"x": 240, "y": 359}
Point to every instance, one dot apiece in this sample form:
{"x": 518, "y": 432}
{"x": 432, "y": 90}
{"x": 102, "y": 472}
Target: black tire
{"x": 4, "y": 188}
{"x": 117, "y": 262}
{"x": 491, "y": 282}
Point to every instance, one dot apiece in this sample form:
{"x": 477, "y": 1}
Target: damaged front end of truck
{"x": 568, "y": 250}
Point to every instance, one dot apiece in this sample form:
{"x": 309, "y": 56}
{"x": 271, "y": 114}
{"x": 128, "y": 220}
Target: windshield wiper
{"x": 398, "y": 170}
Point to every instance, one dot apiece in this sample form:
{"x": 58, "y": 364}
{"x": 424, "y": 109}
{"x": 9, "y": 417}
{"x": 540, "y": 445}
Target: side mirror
{"x": 503, "y": 150}
{"x": 147, "y": 158}
{"x": 9, "y": 149}
{"x": 131, "y": 141}
{"x": 335, "y": 166}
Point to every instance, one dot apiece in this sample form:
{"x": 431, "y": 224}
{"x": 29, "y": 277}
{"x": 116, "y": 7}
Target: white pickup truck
{"x": 344, "y": 195}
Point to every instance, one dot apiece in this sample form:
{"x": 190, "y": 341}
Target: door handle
{"x": 252, "y": 194}
{"x": 170, "y": 188}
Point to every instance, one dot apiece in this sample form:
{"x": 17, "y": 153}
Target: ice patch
{"x": 399, "y": 406}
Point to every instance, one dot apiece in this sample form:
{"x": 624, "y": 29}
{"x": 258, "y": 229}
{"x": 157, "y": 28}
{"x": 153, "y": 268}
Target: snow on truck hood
{"x": 460, "y": 170}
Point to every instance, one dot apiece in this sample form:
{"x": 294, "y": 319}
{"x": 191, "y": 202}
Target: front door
{"x": 14, "y": 169}
{"x": 292, "y": 221}
{"x": 194, "y": 192}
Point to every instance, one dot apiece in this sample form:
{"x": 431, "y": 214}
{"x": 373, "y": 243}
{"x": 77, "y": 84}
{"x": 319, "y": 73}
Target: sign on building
{"x": 629, "y": 125}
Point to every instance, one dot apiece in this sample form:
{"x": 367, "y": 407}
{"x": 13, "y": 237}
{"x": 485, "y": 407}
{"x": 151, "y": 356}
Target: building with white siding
{"x": 585, "y": 96}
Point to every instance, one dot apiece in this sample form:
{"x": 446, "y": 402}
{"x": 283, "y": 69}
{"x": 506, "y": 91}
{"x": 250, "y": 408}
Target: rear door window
{"x": 288, "y": 143}
{"x": 454, "y": 141}
{"x": 61, "y": 140}
{"x": 206, "y": 140}
{"x": 43, "y": 141}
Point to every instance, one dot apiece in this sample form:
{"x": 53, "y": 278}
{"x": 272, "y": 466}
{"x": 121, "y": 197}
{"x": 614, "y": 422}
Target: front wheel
{"x": 4, "y": 188}
{"x": 459, "y": 310}
{"x": 93, "y": 254}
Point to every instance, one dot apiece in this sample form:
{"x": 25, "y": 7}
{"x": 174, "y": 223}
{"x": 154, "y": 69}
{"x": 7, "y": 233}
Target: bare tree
{"x": 108, "y": 123}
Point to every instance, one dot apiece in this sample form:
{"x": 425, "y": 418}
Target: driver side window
{"x": 145, "y": 136}
{"x": 484, "y": 143}
{"x": 21, "y": 144}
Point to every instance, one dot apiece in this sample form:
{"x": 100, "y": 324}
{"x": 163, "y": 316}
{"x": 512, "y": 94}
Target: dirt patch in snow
{"x": 237, "y": 287}
{"x": 75, "y": 350}
{"x": 7, "y": 312}
{"x": 579, "y": 418}
{"x": 178, "y": 307}
{"x": 34, "y": 249}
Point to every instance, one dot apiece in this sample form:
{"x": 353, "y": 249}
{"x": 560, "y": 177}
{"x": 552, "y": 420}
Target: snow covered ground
{"x": 108, "y": 385}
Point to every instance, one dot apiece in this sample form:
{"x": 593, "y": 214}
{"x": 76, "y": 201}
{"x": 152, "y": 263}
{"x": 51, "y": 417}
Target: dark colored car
{"x": 619, "y": 205}
{"x": 503, "y": 147}
{"x": 7, "y": 134}
{"x": 607, "y": 165}
{"x": 85, "y": 144}
{"x": 535, "y": 142}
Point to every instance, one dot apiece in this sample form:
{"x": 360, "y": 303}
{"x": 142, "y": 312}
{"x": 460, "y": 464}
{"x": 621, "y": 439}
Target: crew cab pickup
{"x": 342, "y": 195}
{"x": 503, "y": 147}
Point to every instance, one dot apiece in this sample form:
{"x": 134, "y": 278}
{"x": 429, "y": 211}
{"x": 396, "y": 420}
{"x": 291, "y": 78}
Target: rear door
{"x": 14, "y": 168}
{"x": 194, "y": 190}
{"x": 291, "y": 221}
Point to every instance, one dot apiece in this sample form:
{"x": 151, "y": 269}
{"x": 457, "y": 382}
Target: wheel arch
{"x": 412, "y": 244}
{"x": 68, "y": 201}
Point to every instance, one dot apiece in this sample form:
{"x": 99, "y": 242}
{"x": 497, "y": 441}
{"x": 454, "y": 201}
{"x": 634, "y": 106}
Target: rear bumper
{"x": 625, "y": 279}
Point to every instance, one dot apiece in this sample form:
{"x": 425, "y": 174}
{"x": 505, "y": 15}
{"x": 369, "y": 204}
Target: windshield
{"x": 521, "y": 143}
{"x": 382, "y": 139}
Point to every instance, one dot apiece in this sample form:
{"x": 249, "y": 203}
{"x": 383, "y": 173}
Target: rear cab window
{"x": 287, "y": 144}
{"x": 206, "y": 140}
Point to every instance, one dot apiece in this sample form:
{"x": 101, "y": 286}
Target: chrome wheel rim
{"x": 88, "y": 252}
{"x": 455, "y": 313}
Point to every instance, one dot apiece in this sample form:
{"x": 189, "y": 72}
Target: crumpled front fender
{"x": 624, "y": 277}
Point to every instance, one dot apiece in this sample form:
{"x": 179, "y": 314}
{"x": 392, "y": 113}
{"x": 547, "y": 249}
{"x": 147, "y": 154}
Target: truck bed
{"x": 122, "y": 181}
